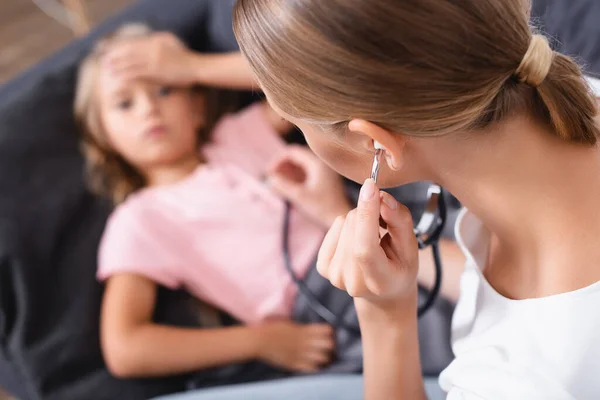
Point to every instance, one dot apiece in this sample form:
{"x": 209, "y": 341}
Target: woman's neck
{"x": 167, "y": 174}
{"x": 538, "y": 196}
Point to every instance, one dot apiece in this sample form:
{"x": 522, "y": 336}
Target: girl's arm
{"x": 134, "y": 346}
{"x": 228, "y": 70}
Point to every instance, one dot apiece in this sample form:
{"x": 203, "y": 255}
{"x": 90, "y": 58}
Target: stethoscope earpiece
{"x": 379, "y": 149}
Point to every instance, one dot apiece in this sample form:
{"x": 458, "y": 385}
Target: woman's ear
{"x": 392, "y": 143}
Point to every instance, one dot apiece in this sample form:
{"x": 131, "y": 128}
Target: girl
{"x": 465, "y": 94}
{"x": 180, "y": 211}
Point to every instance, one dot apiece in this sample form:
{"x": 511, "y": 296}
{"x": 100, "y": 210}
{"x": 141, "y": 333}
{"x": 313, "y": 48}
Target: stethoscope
{"x": 427, "y": 231}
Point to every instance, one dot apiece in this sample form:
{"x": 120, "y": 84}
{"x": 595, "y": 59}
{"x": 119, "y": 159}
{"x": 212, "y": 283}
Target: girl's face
{"x": 149, "y": 125}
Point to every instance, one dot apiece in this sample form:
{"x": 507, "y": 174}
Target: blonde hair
{"x": 107, "y": 172}
{"x": 422, "y": 68}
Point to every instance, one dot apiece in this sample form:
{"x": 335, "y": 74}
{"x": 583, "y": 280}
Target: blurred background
{"x": 31, "y": 30}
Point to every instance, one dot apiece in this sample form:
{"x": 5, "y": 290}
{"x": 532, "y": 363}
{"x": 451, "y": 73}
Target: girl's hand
{"x": 161, "y": 57}
{"x": 383, "y": 271}
{"x": 295, "y": 347}
{"x": 310, "y": 185}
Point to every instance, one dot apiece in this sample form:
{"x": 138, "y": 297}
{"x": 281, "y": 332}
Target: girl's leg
{"x": 320, "y": 387}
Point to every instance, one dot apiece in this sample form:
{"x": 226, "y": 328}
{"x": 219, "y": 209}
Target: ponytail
{"x": 568, "y": 102}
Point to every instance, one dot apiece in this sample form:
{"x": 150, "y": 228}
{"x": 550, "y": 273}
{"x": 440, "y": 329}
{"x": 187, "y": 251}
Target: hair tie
{"x": 536, "y": 63}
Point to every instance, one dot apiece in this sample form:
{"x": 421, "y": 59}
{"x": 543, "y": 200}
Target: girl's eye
{"x": 164, "y": 91}
{"x": 124, "y": 104}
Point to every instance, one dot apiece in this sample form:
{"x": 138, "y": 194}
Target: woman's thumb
{"x": 368, "y": 209}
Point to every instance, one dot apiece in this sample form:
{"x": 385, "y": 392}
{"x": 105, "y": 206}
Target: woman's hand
{"x": 381, "y": 274}
{"x": 380, "y": 271}
{"x": 161, "y": 56}
{"x": 310, "y": 185}
{"x": 295, "y": 347}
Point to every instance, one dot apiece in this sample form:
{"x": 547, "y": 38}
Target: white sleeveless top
{"x": 594, "y": 85}
{"x": 546, "y": 348}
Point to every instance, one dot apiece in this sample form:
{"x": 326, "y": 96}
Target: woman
{"x": 464, "y": 94}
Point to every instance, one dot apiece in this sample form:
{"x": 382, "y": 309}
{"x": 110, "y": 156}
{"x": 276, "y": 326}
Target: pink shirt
{"x": 218, "y": 232}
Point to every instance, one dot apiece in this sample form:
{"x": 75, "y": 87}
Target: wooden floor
{"x": 28, "y": 35}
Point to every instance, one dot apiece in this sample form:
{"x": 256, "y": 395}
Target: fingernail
{"x": 368, "y": 190}
{"x": 390, "y": 201}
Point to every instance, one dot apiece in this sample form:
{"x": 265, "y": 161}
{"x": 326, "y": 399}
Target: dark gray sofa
{"x": 50, "y": 224}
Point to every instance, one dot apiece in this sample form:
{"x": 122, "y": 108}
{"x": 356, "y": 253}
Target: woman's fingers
{"x": 340, "y": 260}
{"x": 348, "y": 275}
{"x": 329, "y": 247}
{"x": 355, "y": 259}
{"x": 366, "y": 229}
{"x": 399, "y": 226}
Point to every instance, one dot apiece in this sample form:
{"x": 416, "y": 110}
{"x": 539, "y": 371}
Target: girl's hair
{"x": 107, "y": 172}
{"x": 419, "y": 67}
